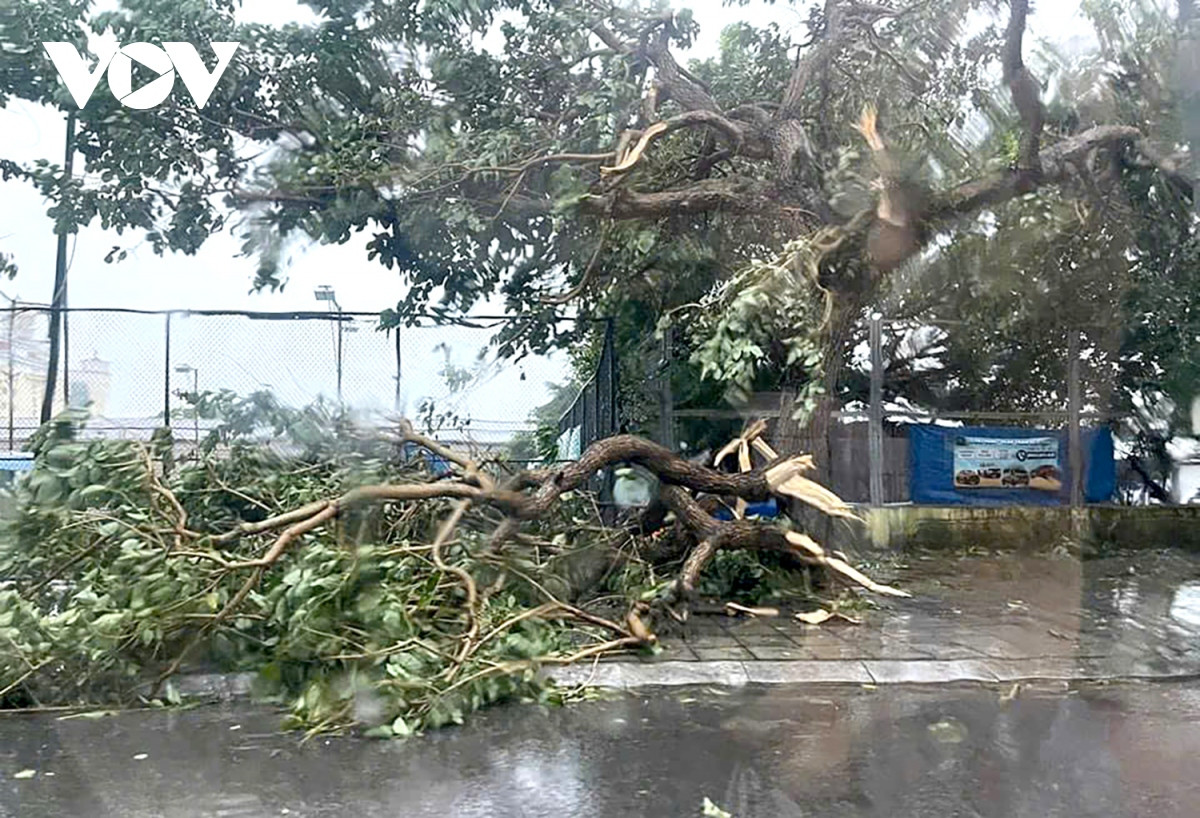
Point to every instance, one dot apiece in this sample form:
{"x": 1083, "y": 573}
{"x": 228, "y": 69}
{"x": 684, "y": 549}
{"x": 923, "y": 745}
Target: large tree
{"x": 557, "y": 154}
{"x": 571, "y": 162}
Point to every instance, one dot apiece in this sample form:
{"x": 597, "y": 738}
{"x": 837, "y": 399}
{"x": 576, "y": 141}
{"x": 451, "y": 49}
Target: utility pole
{"x": 327, "y": 294}
{"x": 59, "y": 299}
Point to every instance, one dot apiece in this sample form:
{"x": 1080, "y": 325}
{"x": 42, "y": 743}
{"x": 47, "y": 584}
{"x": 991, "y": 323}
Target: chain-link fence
{"x": 133, "y": 369}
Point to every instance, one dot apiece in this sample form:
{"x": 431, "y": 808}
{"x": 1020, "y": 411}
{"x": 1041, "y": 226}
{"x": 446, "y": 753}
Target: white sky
{"x": 217, "y": 279}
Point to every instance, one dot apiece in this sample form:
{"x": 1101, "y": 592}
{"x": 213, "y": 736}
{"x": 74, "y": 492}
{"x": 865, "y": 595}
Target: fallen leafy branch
{"x": 451, "y": 592}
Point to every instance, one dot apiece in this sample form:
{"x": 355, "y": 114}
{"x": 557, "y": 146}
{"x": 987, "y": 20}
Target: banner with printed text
{"x": 1007, "y": 463}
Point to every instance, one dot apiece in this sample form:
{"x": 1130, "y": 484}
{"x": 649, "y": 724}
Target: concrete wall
{"x": 897, "y": 527}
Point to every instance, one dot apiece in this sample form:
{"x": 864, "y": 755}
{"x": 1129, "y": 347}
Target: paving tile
{"x": 1047, "y": 667}
{"x": 611, "y": 674}
{"x": 710, "y": 641}
{"x": 734, "y": 653}
{"x": 929, "y": 671}
{"x": 780, "y": 653}
{"x": 887, "y": 649}
{"x": 777, "y": 640}
{"x": 946, "y": 650}
{"x": 763, "y": 627}
{"x": 827, "y": 648}
{"x": 1145, "y": 667}
{"x": 989, "y": 646}
{"x": 850, "y": 672}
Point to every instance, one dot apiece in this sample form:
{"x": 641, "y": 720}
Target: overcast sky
{"x": 238, "y": 357}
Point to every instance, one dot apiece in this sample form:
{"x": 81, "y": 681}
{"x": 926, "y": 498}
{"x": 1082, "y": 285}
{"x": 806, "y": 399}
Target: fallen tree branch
{"x": 678, "y": 477}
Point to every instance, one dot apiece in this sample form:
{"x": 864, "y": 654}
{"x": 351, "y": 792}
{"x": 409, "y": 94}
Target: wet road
{"x": 1115, "y": 750}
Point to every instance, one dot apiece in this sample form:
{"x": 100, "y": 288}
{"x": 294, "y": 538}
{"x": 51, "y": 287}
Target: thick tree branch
{"x": 733, "y": 195}
{"x": 734, "y": 132}
{"x": 1023, "y": 87}
{"x": 1055, "y": 163}
{"x": 678, "y": 84}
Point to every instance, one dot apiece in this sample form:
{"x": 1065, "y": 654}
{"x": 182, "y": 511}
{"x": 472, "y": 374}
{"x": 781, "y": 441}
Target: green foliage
{"x": 749, "y": 577}
{"x": 105, "y": 582}
{"x": 765, "y": 321}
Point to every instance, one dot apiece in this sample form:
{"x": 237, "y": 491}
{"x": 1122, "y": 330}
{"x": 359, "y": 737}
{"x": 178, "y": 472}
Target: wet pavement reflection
{"x": 1066, "y": 748}
{"x": 1134, "y": 615}
{"x": 1115, "y": 750}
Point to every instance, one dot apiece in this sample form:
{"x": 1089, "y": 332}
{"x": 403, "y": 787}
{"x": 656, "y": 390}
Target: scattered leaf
{"x": 733, "y": 608}
{"x": 814, "y": 617}
{"x": 91, "y": 714}
{"x": 948, "y": 731}
{"x": 711, "y": 810}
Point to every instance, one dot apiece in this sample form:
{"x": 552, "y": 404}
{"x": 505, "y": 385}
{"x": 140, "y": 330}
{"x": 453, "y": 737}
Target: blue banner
{"x": 992, "y": 466}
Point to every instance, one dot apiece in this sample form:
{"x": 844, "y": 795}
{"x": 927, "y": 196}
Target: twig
{"x": 180, "y": 528}
{"x": 272, "y": 555}
{"x": 573, "y": 293}
{"x": 443, "y": 534}
{"x": 21, "y": 679}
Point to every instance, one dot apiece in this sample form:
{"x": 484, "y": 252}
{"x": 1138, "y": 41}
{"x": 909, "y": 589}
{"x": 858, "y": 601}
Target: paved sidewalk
{"x": 991, "y": 619}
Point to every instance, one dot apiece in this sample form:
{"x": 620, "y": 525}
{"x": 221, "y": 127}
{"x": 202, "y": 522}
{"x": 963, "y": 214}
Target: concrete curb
{"x": 632, "y": 676}
{"x": 636, "y": 675}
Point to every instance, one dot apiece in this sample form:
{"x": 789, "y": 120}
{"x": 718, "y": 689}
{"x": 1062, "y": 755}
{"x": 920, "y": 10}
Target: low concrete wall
{"x": 1027, "y": 527}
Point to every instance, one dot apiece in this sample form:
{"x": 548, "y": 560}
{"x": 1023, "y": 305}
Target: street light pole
{"x": 326, "y": 293}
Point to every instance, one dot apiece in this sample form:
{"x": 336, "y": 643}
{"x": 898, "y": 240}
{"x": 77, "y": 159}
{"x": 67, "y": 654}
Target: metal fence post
{"x": 875, "y": 429}
{"x": 12, "y": 318}
{"x": 398, "y": 359}
{"x": 167, "y": 377}
{"x": 1073, "y": 436}
{"x": 666, "y": 399}
{"x": 66, "y": 347}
